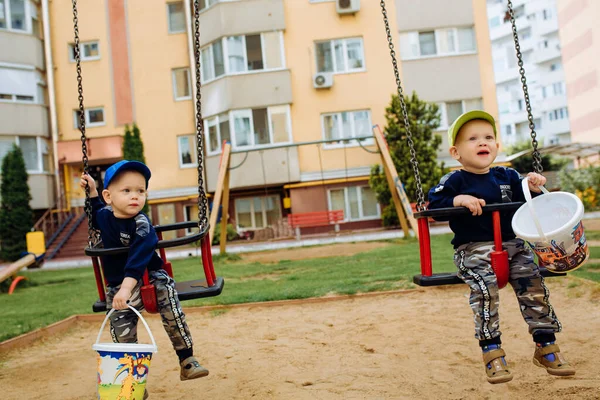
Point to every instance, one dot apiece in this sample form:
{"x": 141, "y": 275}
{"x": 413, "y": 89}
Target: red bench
{"x": 315, "y": 218}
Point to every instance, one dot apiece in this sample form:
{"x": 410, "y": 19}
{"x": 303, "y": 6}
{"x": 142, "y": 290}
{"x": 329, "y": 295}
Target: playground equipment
{"x": 211, "y": 285}
{"x": 499, "y": 257}
{"x": 33, "y": 258}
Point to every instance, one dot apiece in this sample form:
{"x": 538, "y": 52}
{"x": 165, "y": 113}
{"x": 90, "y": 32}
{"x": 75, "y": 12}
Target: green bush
{"x": 231, "y": 233}
{"x": 585, "y": 183}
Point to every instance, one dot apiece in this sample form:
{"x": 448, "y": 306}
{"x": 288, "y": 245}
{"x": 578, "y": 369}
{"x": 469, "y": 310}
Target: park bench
{"x": 314, "y": 219}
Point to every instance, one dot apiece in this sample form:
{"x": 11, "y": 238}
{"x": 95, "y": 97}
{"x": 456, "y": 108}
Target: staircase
{"x": 71, "y": 241}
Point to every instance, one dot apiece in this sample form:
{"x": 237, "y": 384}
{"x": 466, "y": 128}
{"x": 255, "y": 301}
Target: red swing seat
{"x": 499, "y": 257}
{"x": 210, "y": 286}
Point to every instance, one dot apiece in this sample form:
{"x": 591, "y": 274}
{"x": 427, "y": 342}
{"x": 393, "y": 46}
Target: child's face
{"x": 475, "y": 146}
{"x": 126, "y": 194}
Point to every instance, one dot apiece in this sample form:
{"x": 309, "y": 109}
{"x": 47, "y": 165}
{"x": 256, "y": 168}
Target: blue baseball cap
{"x": 126, "y": 165}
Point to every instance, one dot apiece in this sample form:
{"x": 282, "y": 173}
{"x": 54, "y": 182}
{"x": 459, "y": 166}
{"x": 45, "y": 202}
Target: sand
{"x": 403, "y": 345}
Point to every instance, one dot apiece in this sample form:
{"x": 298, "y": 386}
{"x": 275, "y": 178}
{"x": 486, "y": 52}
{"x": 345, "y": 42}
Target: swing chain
{"x": 537, "y": 158}
{"x": 202, "y": 199}
{"x": 92, "y": 233}
{"x": 411, "y": 145}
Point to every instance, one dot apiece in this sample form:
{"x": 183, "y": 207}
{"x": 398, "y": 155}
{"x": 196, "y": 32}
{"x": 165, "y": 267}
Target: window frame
{"x": 194, "y": 163}
{"x": 344, "y": 41}
{"x": 89, "y": 124}
{"x": 349, "y": 143}
{"x": 347, "y": 217}
{"x": 8, "y": 18}
{"x": 174, "y": 83}
{"x": 442, "y": 105}
{"x": 169, "y": 31}
{"x": 409, "y": 37}
{"x": 39, "y": 153}
{"x": 246, "y": 112}
{"x": 253, "y": 211}
{"x": 82, "y": 53}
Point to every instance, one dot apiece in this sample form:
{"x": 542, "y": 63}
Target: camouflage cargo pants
{"x": 475, "y": 269}
{"x": 123, "y": 323}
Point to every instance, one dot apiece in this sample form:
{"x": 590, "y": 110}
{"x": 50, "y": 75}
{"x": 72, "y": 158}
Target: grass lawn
{"x": 52, "y": 295}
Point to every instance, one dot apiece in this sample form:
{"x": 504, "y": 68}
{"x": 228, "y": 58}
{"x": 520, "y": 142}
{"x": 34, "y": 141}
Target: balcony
{"x": 546, "y": 27}
{"x": 557, "y": 127}
{"x": 506, "y": 75}
{"x": 24, "y": 119}
{"x": 21, "y": 48}
{"x": 240, "y": 17}
{"x": 279, "y": 165}
{"x": 250, "y": 90}
{"x": 548, "y": 54}
{"x": 505, "y": 29}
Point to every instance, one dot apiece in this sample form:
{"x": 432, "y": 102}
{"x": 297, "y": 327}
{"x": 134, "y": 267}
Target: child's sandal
{"x": 559, "y": 366}
{"x": 498, "y": 373}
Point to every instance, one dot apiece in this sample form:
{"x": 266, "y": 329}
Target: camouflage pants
{"x": 123, "y": 323}
{"x": 475, "y": 269}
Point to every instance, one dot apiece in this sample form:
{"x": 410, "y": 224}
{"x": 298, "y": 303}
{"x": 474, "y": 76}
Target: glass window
{"x": 181, "y": 84}
{"x": 224, "y": 127}
{"x": 88, "y": 51}
{"x": 45, "y": 156}
{"x": 207, "y": 65}
{"x": 347, "y": 124}
{"x": 18, "y": 19}
{"x": 243, "y": 211}
{"x": 357, "y": 202}
{"x": 354, "y": 50}
{"x": 257, "y": 206}
{"x": 242, "y": 128}
{"x": 254, "y": 52}
{"x": 453, "y": 110}
{"x": 427, "y": 43}
{"x": 466, "y": 39}
{"x": 191, "y": 214}
{"x": 176, "y": 16}
{"x": 213, "y": 135}
{"x": 6, "y": 145}
{"x": 218, "y": 59}
{"x": 29, "y": 148}
{"x": 187, "y": 151}
{"x": 272, "y": 49}
{"x": 342, "y": 55}
{"x": 235, "y": 52}
{"x": 279, "y": 124}
{"x": 324, "y": 58}
{"x": 473, "y": 104}
{"x": 353, "y": 208}
{"x": 257, "y": 212}
{"x": 93, "y": 117}
{"x": 409, "y": 45}
{"x": 337, "y": 199}
{"x": 3, "y": 16}
{"x": 166, "y": 215}
{"x": 261, "y": 126}
{"x": 370, "y": 207}
{"x": 446, "y": 41}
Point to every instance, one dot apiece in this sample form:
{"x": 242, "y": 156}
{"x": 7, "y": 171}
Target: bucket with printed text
{"x": 551, "y": 225}
{"x": 123, "y": 367}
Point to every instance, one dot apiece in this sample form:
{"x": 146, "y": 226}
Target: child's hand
{"x": 534, "y": 180}
{"x": 472, "y": 203}
{"x": 86, "y": 179}
{"x": 120, "y": 299}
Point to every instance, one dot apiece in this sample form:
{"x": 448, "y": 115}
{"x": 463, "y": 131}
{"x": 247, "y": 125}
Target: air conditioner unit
{"x": 347, "y": 6}
{"x": 323, "y": 80}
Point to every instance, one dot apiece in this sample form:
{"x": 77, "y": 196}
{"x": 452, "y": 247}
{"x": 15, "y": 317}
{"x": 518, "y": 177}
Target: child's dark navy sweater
{"x": 137, "y": 233}
{"x": 499, "y": 185}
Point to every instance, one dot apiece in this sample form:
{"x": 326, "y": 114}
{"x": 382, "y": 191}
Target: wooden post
{"x": 223, "y": 169}
{"x": 224, "y": 214}
{"x": 403, "y": 208}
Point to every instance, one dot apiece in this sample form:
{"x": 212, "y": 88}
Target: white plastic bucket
{"x": 551, "y": 225}
{"x": 123, "y": 367}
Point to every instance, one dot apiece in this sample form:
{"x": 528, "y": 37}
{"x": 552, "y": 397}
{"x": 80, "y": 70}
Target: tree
{"x": 524, "y": 163}
{"x": 133, "y": 148}
{"x": 16, "y": 216}
{"x": 423, "y": 118}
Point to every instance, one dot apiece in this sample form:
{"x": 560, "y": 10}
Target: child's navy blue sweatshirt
{"x": 137, "y": 233}
{"x": 499, "y": 185}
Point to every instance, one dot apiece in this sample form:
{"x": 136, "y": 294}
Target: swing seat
{"x": 210, "y": 286}
{"x": 427, "y": 277}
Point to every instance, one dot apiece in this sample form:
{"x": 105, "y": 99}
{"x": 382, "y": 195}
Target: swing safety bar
{"x": 210, "y": 286}
{"x": 427, "y": 277}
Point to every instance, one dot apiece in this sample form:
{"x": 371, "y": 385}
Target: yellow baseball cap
{"x": 466, "y": 117}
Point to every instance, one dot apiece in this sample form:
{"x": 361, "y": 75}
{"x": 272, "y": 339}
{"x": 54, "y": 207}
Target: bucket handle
{"x": 527, "y": 194}
{"x": 138, "y": 314}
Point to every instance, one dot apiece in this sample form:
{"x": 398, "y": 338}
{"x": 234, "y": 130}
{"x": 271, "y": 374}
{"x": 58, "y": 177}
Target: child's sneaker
{"x": 547, "y": 355}
{"x": 191, "y": 369}
{"x": 495, "y": 365}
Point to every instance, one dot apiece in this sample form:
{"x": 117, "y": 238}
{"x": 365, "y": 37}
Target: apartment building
{"x": 24, "y": 102}
{"x": 580, "y": 38}
{"x": 446, "y": 58}
{"x": 537, "y": 25}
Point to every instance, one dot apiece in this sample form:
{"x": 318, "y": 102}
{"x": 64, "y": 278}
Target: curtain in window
{"x": 279, "y": 124}
{"x": 362, "y": 125}
{"x": 235, "y": 49}
{"x": 331, "y": 126}
{"x": 355, "y": 54}
{"x": 338, "y": 50}
{"x": 427, "y": 43}
{"x": 272, "y": 49}
{"x": 242, "y": 130}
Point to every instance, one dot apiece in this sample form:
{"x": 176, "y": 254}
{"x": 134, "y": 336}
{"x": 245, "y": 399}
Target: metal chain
{"x": 411, "y": 145}
{"x": 92, "y": 233}
{"x": 202, "y": 199}
{"x": 537, "y": 158}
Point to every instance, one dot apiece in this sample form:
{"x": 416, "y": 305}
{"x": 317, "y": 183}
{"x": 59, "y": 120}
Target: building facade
{"x": 540, "y": 45}
{"x": 580, "y": 36}
{"x": 24, "y": 100}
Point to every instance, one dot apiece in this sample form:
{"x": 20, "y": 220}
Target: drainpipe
{"x": 51, "y": 96}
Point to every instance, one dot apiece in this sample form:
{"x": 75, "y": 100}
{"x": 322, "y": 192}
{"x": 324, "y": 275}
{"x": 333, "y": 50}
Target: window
{"x": 176, "y": 16}
{"x": 14, "y": 15}
{"x": 257, "y": 212}
{"x": 451, "y": 110}
{"x": 507, "y": 129}
{"x": 340, "y": 55}
{"x": 241, "y": 54}
{"x": 345, "y": 125}
{"x": 93, "y": 117}
{"x": 181, "y": 84}
{"x": 358, "y": 202}
{"x": 560, "y": 113}
{"x": 34, "y": 149}
{"x": 259, "y": 127}
{"x": 547, "y": 14}
{"x": 555, "y": 66}
{"x": 494, "y": 22}
{"x": 558, "y": 88}
{"x": 191, "y": 214}
{"x": 440, "y": 42}
{"x": 187, "y": 151}
{"x": 18, "y": 85}
{"x": 88, "y": 51}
